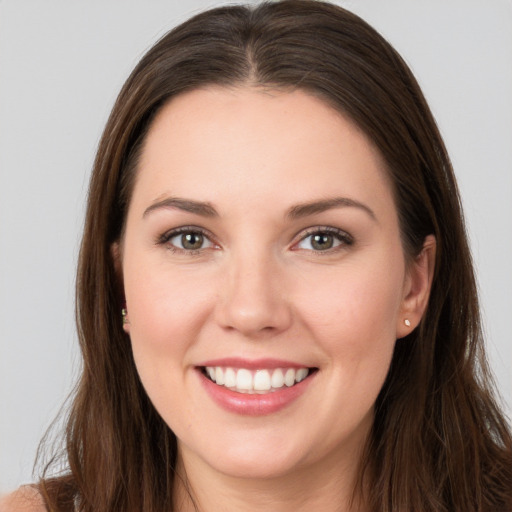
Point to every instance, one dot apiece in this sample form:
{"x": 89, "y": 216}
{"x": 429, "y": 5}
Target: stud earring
{"x": 124, "y": 314}
{"x": 407, "y": 322}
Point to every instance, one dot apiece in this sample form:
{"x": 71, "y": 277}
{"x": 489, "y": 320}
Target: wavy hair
{"x": 439, "y": 441}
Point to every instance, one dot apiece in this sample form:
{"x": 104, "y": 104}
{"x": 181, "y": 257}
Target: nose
{"x": 253, "y": 300}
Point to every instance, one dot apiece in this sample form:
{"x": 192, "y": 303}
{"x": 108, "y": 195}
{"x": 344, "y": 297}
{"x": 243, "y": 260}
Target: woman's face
{"x": 264, "y": 278}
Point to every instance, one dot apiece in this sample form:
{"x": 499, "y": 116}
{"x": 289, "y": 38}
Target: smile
{"x": 259, "y": 381}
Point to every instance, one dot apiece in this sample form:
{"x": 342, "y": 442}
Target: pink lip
{"x": 256, "y": 404}
{"x": 252, "y": 364}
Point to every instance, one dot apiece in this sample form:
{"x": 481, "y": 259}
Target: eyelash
{"x": 341, "y": 236}
{"x": 165, "y": 239}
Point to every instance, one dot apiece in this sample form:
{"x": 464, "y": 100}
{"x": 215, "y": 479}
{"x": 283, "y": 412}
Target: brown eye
{"x": 188, "y": 241}
{"x": 322, "y": 241}
{"x": 192, "y": 241}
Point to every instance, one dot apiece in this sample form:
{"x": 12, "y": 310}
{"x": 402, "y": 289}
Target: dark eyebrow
{"x": 187, "y": 205}
{"x": 306, "y": 209}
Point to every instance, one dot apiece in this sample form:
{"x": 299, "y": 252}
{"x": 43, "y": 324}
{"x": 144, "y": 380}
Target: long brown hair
{"x": 439, "y": 441}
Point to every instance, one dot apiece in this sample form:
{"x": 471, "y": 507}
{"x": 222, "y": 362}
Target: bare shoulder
{"x": 25, "y": 499}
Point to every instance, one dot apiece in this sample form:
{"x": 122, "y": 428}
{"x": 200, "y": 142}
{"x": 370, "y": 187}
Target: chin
{"x": 262, "y": 466}
{"x": 263, "y": 456}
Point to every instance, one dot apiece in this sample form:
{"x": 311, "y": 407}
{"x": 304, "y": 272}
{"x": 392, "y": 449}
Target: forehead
{"x": 275, "y": 146}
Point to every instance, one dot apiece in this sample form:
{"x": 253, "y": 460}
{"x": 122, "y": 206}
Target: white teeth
{"x": 277, "y": 380}
{"x": 258, "y": 381}
{"x": 301, "y": 374}
{"x": 219, "y": 375}
{"x": 262, "y": 380}
{"x": 289, "y": 377}
{"x": 243, "y": 379}
{"x": 230, "y": 378}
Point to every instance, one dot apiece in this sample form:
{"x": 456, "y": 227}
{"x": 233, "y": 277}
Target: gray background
{"x": 61, "y": 66}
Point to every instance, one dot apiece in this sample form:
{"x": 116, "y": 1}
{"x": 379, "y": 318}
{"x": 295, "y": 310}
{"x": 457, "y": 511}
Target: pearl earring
{"x": 407, "y": 322}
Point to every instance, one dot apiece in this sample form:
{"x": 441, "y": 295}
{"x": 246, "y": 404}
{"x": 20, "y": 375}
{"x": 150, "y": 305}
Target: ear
{"x": 417, "y": 285}
{"x": 116, "y": 253}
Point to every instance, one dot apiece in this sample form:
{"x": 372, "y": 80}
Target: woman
{"x": 276, "y": 303}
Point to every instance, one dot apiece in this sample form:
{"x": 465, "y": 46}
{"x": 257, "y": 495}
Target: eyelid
{"x": 165, "y": 237}
{"x": 344, "y": 237}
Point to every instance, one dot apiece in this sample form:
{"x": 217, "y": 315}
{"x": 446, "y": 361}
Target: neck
{"x": 328, "y": 487}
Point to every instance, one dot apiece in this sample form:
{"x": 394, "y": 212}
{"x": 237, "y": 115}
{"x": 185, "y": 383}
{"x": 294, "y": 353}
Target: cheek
{"x": 355, "y": 300}
{"x": 353, "y": 317}
{"x": 166, "y": 310}
{"x": 165, "y": 307}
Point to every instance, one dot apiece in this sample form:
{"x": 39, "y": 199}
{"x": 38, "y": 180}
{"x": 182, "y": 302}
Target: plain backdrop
{"x": 61, "y": 66}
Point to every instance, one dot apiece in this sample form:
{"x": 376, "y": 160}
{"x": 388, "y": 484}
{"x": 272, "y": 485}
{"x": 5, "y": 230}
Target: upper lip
{"x": 252, "y": 364}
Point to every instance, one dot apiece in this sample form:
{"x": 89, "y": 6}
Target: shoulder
{"x": 25, "y": 499}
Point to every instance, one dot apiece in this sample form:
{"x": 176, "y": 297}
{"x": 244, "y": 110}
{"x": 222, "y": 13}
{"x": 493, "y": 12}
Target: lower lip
{"x": 254, "y": 404}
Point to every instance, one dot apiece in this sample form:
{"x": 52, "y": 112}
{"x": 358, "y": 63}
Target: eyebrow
{"x": 188, "y": 205}
{"x": 205, "y": 209}
{"x": 314, "y": 207}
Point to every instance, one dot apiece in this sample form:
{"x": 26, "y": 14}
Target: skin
{"x": 257, "y": 288}
{"x": 25, "y": 499}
